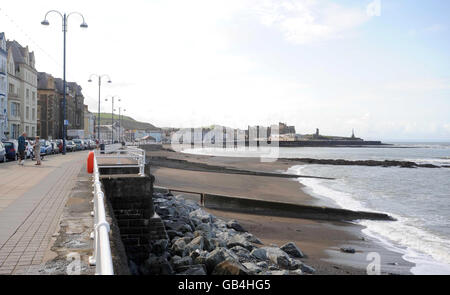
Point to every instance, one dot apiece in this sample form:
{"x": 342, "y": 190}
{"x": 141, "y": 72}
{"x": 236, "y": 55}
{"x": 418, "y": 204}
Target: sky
{"x": 380, "y": 67}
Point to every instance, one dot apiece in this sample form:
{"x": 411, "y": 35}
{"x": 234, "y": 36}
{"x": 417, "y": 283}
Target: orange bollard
{"x": 90, "y": 162}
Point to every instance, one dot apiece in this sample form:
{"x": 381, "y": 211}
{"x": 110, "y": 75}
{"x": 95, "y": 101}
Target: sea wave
{"x": 429, "y": 252}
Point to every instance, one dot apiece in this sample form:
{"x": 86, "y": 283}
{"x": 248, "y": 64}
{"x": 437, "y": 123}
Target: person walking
{"x": 37, "y": 151}
{"x": 21, "y": 148}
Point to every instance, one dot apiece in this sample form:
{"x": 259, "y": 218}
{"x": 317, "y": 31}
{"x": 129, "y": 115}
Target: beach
{"x": 320, "y": 240}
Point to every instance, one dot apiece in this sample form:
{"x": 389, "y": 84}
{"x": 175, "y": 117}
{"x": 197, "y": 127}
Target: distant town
{"x": 31, "y": 102}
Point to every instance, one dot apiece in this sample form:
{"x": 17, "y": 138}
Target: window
{"x": 15, "y": 109}
{"x": 15, "y": 131}
{"x": 27, "y": 129}
{"x": 33, "y": 131}
{"x": 28, "y": 95}
{"x": 33, "y": 114}
{"x": 27, "y": 113}
{"x": 34, "y": 98}
{"x": 11, "y": 88}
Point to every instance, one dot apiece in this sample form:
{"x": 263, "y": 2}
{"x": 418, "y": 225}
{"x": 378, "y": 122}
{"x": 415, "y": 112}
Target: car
{"x": 46, "y": 147}
{"x": 2, "y": 152}
{"x": 55, "y": 147}
{"x": 11, "y": 150}
{"x": 78, "y": 144}
{"x": 29, "y": 149}
{"x": 59, "y": 144}
{"x": 70, "y": 146}
{"x": 92, "y": 144}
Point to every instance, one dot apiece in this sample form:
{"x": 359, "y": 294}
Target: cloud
{"x": 308, "y": 21}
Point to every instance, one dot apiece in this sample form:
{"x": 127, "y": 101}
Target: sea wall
{"x": 260, "y": 207}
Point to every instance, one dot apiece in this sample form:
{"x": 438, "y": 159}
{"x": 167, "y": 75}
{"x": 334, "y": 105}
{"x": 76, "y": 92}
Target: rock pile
{"x": 200, "y": 244}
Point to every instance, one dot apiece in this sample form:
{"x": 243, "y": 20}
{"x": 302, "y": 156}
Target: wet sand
{"x": 320, "y": 240}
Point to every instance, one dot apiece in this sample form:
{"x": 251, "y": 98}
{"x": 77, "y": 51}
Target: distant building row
{"x": 32, "y": 101}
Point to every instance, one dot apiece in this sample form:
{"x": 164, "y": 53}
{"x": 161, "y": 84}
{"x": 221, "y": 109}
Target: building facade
{"x": 49, "y": 121}
{"x": 74, "y": 106}
{"x": 4, "y": 131}
{"x": 22, "y": 90}
{"x": 89, "y": 124}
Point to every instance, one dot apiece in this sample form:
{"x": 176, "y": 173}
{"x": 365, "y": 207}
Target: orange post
{"x": 90, "y": 162}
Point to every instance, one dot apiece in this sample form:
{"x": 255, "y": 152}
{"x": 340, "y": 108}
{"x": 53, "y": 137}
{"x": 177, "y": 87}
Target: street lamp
{"x": 121, "y": 120}
{"x": 99, "y": 86}
{"x": 83, "y": 25}
{"x": 120, "y": 124}
{"x": 112, "y": 116}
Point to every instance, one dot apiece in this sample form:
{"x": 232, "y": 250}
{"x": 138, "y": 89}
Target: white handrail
{"x": 101, "y": 258}
{"x": 125, "y": 152}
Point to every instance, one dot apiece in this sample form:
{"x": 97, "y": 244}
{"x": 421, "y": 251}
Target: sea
{"x": 419, "y": 198}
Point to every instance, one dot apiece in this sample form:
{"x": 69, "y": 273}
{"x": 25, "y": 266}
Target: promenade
{"x": 31, "y": 202}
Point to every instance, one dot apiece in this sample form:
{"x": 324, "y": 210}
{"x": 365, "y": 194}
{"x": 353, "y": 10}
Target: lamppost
{"x": 83, "y": 25}
{"x": 120, "y": 124}
{"x": 112, "y": 116}
{"x": 99, "y": 86}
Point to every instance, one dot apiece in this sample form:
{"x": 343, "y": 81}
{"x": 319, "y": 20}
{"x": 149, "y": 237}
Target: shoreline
{"x": 320, "y": 240}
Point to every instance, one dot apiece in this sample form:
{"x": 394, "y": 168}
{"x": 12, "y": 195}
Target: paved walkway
{"x": 31, "y": 201}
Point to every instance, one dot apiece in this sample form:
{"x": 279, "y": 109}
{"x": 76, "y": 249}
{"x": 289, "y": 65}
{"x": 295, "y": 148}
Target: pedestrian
{"x": 37, "y": 151}
{"x": 21, "y": 148}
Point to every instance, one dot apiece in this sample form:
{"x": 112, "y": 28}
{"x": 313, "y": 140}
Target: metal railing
{"x": 118, "y": 156}
{"x": 102, "y": 249}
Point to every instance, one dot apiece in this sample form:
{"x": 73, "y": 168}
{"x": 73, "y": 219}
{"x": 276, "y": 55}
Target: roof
{"x": 42, "y": 79}
{"x": 16, "y": 50}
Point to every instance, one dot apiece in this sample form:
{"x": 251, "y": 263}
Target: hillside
{"x": 127, "y": 122}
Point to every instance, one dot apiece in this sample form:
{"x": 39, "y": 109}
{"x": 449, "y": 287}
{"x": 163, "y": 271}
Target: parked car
{"x": 2, "y": 152}
{"x": 59, "y": 143}
{"x": 92, "y": 145}
{"x": 55, "y": 147}
{"x": 11, "y": 150}
{"x": 46, "y": 147}
{"x": 78, "y": 144}
{"x": 70, "y": 146}
{"x": 29, "y": 149}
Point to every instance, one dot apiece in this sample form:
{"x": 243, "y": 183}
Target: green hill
{"x": 127, "y": 122}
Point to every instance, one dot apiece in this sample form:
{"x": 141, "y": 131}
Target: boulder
{"x": 278, "y": 257}
{"x": 217, "y": 256}
{"x": 239, "y": 240}
{"x": 181, "y": 262}
{"x": 191, "y": 270}
{"x": 235, "y": 225}
{"x": 196, "y": 244}
{"x": 348, "y": 250}
{"x": 230, "y": 268}
{"x": 201, "y": 215}
{"x": 306, "y": 268}
{"x": 173, "y": 233}
{"x": 179, "y": 246}
{"x": 252, "y": 239}
{"x": 159, "y": 246}
{"x": 262, "y": 264}
{"x": 252, "y": 267}
{"x": 214, "y": 258}
{"x": 242, "y": 253}
{"x": 259, "y": 253}
{"x": 155, "y": 265}
{"x": 292, "y": 250}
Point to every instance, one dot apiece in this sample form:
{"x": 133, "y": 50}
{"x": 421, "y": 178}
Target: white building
{"x": 22, "y": 90}
{"x": 3, "y": 88}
